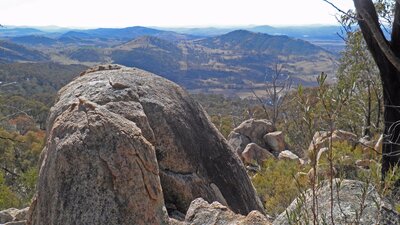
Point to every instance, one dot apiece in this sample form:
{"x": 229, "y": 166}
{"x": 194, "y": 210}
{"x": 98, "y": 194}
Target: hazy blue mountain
{"x": 321, "y": 35}
{"x": 14, "y": 52}
{"x": 127, "y": 33}
{"x": 246, "y": 41}
{"x": 33, "y": 40}
{"x": 305, "y": 32}
{"x": 13, "y": 32}
{"x": 228, "y": 59}
{"x": 315, "y": 31}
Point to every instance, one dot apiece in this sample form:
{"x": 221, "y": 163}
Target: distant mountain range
{"x": 326, "y": 32}
{"x": 309, "y": 32}
{"x": 14, "y": 52}
{"x": 197, "y": 59}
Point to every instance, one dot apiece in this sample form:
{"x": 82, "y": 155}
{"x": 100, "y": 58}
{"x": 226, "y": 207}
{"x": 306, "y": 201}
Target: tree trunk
{"x": 386, "y": 55}
{"x": 391, "y": 141}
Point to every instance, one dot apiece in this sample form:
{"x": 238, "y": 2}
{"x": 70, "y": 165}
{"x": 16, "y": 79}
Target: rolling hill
{"x": 13, "y": 52}
{"x": 230, "y": 60}
{"x": 236, "y": 60}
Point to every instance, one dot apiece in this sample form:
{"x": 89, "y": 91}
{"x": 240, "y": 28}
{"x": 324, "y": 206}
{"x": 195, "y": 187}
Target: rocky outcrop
{"x": 115, "y": 135}
{"x": 254, "y": 141}
{"x": 255, "y": 130}
{"x": 202, "y": 213}
{"x": 322, "y": 138}
{"x": 354, "y": 202}
{"x": 14, "y": 216}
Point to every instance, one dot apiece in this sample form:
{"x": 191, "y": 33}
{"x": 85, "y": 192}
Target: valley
{"x": 233, "y": 63}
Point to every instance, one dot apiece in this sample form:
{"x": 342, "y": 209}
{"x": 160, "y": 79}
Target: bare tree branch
{"x": 261, "y": 102}
{"x": 11, "y": 139}
{"x": 9, "y": 171}
{"x": 341, "y": 11}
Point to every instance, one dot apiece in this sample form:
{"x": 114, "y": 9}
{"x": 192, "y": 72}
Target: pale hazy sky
{"x": 172, "y": 13}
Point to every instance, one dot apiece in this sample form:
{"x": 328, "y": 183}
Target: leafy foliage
{"x": 19, "y": 155}
{"x": 278, "y": 183}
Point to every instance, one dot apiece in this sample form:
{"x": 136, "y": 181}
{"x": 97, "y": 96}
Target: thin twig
{"x": 9, "y": 171}
{"x": 341, "y": 11}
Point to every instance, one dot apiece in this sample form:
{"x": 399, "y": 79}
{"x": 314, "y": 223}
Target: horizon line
{"x": 56, "y": 27}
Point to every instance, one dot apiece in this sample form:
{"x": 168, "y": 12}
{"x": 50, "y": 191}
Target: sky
{"x": 168, "y": 13}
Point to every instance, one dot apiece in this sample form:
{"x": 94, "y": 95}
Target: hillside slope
{"x": 227, "y": 60}
{"x": 13, "y": 52}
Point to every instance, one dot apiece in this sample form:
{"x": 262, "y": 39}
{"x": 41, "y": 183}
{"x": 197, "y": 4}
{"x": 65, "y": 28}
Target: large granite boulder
{"x": 115, "y": 134}
{"x": 97, "y": 169}
{"x": 354, "y": 202}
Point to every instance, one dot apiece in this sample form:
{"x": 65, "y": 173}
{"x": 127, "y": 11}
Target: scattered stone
{"x": 202, "y": 213}
{"x": 288, "y": 155}
{"x": 275, "y": 140}
{"x": 255, "y": 130}
{"x": 101, "y": 68}
{"x": 253, "y": 153}
{"x": 322, "y": 138}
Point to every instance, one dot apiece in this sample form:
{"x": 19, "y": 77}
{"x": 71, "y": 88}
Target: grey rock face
{"x": 97, "y": 169}
{"x": 238, "y": 142}
{"x": 346, "y": 208}
{"x": 100, "y": 152}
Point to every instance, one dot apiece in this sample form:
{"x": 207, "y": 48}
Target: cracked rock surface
{"x": 97, "y": 169}
{"x": 124, "y": 143}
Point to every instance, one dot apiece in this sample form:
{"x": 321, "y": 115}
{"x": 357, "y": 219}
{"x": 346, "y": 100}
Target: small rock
{"x": 201, "y": 212}
{"x": 275, "y": 140}
{"x": 254, "y": 153}
{"x": 288, "y": 155}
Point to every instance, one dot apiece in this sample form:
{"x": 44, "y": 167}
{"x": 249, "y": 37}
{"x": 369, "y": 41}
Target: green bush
{"x": 279, "y": 183}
